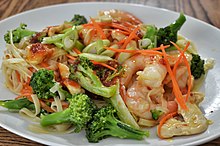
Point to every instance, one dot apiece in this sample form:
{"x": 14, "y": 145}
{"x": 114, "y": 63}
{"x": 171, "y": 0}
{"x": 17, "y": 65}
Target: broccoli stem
{"x": 17, "y": 104}
{"x": 121, "y": 130}
{"x": 178, "y": 23}
{"x": 95, "y": 87}
{"x": 116, "y": 128}
{"x": 56, "y": 118}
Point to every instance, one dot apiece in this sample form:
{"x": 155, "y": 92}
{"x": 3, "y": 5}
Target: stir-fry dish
{"x": 110, "y": 75}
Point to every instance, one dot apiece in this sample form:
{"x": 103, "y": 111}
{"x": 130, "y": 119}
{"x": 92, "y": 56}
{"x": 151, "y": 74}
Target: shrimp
{"x": 38, "y": 53}
{"x": 121, "y": 16}
{"x": 143, "y": 80}
{"x": 182, "y": 78}
{"x": 192, "y": 122}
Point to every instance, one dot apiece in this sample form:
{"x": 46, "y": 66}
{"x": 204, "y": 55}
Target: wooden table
{"x": 206, "y": 10}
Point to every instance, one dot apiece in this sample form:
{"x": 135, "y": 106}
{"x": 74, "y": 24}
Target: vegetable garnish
{"x": 99, "y": 29}
{"x": 187, "y": 65}
{"x": 176, "y": 89}
{"x": 103, "y": 64}
{"x": 130, "y": 37}
{"x": 163, "y": 120}
{"x": 138, "y": 51}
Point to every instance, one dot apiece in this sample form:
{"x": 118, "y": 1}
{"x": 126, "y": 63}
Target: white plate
{"x": 205, "y": 36}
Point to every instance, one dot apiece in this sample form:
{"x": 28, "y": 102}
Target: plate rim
{"x": 39, "y": 140}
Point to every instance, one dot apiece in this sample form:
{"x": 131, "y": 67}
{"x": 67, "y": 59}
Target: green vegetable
{"x": 150, "y": 38}
{"x": 41, "y": 82}
{"x": 197, "y": 66}
{"x": 83, "y": 73}
{"x": 105, "y": 124}
{"x": 18, "y": 34}
{"x": 65, "y": 40}
{"x": 78, "y": 20}
{"x": 154, "y": 37}
{"x": 156, "y": 113}
{"x": 122, "y": 110}
{"x": 79, "y": 113}
{"x": 169, "y": 33}
{"x": 17, "y": 104}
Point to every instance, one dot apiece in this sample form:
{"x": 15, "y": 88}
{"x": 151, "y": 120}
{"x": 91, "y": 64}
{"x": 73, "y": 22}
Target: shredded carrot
{"x": 32, "y": 69}
{"x": 136, "y": 51}
{"x": 27, "y": 89}
{"x": 18, "y": 76}
{"x": 99, "y": 29}
{"x": 103, "y": 64}
{"x": 70, "y": 57}
{"x": 118, "y": 26}
{"x": 122, "y": 31}
{"x": 163, "y": 120}
{"x": 64, "y": 104}
{"x": 176, "y": 89}
{"x": 121, "y": 41}
{"x": 77, "y": 51}
{"x": 180, "y": 57}
{"x": 45, "y": 106}
{"x": 42, "y": 103}
{"x": 130, "y": 37}
{"x": 187, "y": 65}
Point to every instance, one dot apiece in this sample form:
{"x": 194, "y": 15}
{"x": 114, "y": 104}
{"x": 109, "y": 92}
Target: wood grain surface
{"x": 205, "y": 10}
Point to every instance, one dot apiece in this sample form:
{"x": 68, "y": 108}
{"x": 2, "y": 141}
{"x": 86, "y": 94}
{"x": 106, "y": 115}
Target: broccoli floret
{"x": 78, "y": 113}
{"x": 105, "y": 124}
{"x": 78, "y": 20}
{"x": 197, "y": 66}
{"x": 41, "y": 82}
{"x": 17, "y": 104}
{"x": 84, "y": 74}
{"x": 18, "y": 34}
{"x": 169, "y": 33}
{"x": 154, "y": 37}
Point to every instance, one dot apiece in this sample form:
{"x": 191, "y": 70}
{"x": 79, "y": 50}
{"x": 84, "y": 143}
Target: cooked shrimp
{"x": 182, "y": 77}
{"x": 121, "y": 16}
{"x": 193, "y": 122}
{"x": 37, "y": 53}
{"x": 143, "y": 80}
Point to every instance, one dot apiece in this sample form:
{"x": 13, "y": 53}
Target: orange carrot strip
{"x": 45, "y": 106}
{"x": 103, "y": 64}
{"x": 162, "y": 121}
{"x": 176, "y": 89}
{"x": 130, "y": 37}
{"x": 135, "y": 51}
{"x": 77, "y": 51}
{"x": 70, "y": 57}
{"x": 118, "y": 26}
{"x": 187, "y": 65}
{"x": 123, "y": 32}
{"x": 64, "y": 104}
{"x": 42, "y": 104}
{"x": 18, "y": 76}
{"x": 180, "y": 57}
{"x": 121, "y": 41}
{"x": 99, "y": 29}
